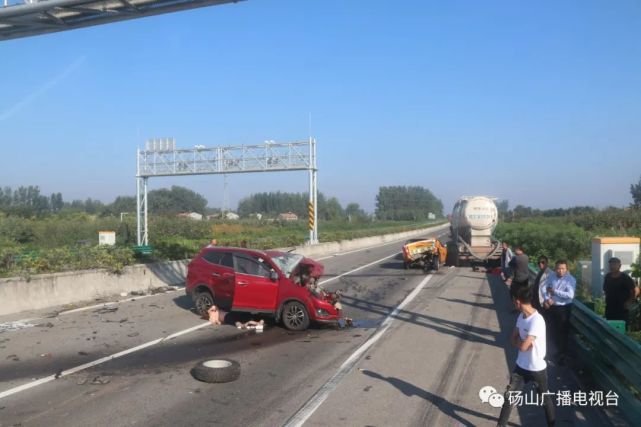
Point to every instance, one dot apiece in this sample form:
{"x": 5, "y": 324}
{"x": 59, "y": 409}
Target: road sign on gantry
{"x": 22, "y": 18}
{"x": 161, "y": 158}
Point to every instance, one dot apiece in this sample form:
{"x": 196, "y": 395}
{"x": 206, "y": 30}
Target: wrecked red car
{"x": 280, "y": 284}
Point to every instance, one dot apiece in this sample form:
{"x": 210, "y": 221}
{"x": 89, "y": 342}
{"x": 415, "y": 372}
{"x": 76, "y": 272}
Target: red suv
{"x": 280, "y": 284}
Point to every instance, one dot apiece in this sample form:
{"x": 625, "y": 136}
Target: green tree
{"x": 177, "y": 199}
{"x": 354, "y": 212}
{"x": 406, "y": 203}
{"x": 635, "y": 190}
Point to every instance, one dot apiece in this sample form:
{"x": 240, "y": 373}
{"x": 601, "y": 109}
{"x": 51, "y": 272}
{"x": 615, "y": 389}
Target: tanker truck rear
{"x": 472, "y": 222}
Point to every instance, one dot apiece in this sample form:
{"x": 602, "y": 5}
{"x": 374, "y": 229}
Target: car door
{"x": 254, "y": 290}
{"x": 220, "y": 276}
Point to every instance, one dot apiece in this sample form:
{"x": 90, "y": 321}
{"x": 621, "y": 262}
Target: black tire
{"x": 216, "y": 371}
{"x": 203, "y": 300}
{"x": 295, "y": 316}
{"x": 436, "y": 263}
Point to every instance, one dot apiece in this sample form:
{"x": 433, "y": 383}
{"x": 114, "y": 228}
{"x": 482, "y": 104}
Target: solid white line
{"x": 142, "y": 346}
{"x": 321, "y": 395}
{"x": 99, "y": 361}
{"x": 357, "y": 269}
{"x": 89, "y": 307}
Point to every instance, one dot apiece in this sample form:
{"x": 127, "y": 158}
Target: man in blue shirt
{"x": 559, "y": 296}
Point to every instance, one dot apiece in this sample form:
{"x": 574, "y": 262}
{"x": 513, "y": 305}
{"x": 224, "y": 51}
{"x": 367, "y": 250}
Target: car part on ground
{"x": 216, "y": 371}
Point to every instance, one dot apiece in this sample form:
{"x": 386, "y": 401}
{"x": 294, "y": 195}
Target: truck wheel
{"x": 216, "y": 371}
{"x": 203, "y": 301}
{"x": 295, "y": 317}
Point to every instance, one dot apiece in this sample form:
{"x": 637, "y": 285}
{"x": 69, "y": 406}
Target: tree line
{"x": 398, "y": 203}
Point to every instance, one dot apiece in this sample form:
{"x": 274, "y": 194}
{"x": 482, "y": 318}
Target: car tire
{"x": 436, "y": 263}
{"x": 295, "y": 316}
{"x": 203, "y": 300}
{"x": 216, "y": 371}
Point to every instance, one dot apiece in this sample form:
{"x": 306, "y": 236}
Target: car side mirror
{"x": 273, "y": 276}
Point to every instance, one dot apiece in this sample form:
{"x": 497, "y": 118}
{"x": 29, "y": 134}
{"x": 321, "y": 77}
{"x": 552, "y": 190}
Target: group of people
{"x": 544, "y": 311}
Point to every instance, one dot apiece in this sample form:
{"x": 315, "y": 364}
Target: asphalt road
{"x": 421, "y": 348}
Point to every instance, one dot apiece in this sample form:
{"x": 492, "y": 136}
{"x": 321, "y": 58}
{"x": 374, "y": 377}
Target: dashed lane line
{"x": 45, "y": 380}
{"x": 308, "y": 409}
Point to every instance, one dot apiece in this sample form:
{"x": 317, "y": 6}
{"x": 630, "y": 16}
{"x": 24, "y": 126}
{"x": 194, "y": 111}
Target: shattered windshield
{"x": 287, "y": 262}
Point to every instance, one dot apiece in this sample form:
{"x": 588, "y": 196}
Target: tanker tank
{"x": 473, "y": 221}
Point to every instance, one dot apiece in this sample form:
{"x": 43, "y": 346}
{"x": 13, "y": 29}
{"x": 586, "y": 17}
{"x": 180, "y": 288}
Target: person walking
{"x": 529, "y": 337}
{"x": 619, "y": 290}
{"x": 506, "y": 257}
{"x": 559, "y": 296}
{"x": 520, "y": 267}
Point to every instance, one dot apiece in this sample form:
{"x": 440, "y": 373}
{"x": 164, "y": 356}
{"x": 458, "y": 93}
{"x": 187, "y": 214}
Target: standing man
{"x": 521, "y": 270}
{"x": 619, "y": 292}
{"x": 538, "y": 288}
{"x": 530, "y": 339}
{"x": 506, "y": 257}
{"x": 559, "y": 294}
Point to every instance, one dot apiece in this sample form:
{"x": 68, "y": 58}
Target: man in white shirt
{"x": 559, "y": 296}
{"x": 529, "y": 338}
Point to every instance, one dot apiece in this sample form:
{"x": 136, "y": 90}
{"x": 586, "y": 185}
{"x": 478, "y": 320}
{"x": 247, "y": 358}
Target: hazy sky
{"x": 535, "y": 102}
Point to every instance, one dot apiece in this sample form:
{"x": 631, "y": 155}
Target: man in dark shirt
{"x": 520, "y": 268}
{"x": 619, "y": 292}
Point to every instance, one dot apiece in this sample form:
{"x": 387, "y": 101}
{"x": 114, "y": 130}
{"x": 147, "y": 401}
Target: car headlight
{"x": 322, "y": 313}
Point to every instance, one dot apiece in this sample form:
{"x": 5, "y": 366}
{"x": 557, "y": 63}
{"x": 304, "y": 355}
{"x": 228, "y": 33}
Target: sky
{"x": 537, "y": 103}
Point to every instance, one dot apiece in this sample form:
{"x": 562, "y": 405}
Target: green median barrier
{"x": 143, "y": 250}
{"x": 618, "y": 325}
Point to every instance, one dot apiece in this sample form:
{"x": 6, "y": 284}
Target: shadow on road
{"x": 456, "y": 412}
{"x": 460, "y": 330}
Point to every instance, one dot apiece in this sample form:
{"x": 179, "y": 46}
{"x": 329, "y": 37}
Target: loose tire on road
{"x": 295, "y": 316}
{"x": 203, "y": 300}
{"x": 216, "y": 371}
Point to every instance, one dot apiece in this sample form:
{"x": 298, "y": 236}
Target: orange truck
{"x": 428, "y": 254}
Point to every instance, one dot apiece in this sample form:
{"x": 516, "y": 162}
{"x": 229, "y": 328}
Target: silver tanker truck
{"x": 472, "y": 223}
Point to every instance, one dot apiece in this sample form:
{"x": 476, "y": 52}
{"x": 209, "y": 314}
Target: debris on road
{"x": 216, "y": 371}
{"x": 252, "y": 324}
{"x": 106, "y": 310}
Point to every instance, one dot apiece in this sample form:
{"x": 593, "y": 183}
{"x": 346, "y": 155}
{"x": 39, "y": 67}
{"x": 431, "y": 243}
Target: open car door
{"x": 255, "y": 290}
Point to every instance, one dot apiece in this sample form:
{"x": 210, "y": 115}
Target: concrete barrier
{"x": 49, "y": 290}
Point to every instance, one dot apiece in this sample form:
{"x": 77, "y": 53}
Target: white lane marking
{"x": 7, "y": 326}
{"x": 357, "y": 269}
{"x": 105, "y": 304}
{"x": 16, "y": 325}
{"x": 147, "y": 344}
{"x": 319, "y": 397}
{"x": 99, "y": 361}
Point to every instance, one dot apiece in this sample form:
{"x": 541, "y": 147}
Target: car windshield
{"x": 287, "y": 262}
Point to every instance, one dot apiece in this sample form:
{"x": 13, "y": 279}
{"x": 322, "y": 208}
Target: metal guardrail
{"x": 613, "y": 358}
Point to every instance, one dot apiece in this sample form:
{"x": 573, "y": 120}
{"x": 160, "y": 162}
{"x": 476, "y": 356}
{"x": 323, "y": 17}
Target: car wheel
{"x": 295, "y": 317}
{"x": 436, "y": 263}
{"x": 216, "y": 371}
{"x": 203, "y": 301}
